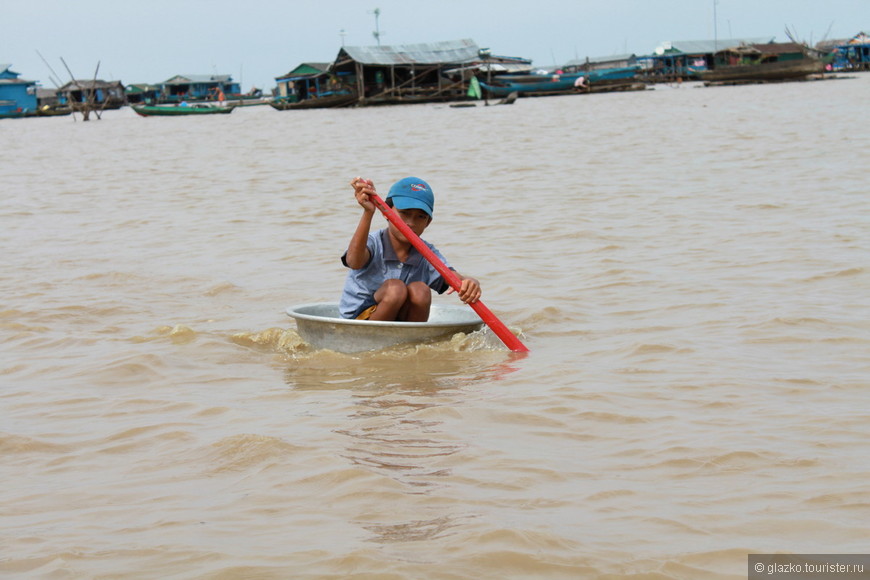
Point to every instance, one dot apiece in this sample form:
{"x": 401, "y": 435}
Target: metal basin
{"x": 321, "y": 326}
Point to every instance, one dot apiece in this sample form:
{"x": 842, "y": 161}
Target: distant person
{"x": 389, "y": 279}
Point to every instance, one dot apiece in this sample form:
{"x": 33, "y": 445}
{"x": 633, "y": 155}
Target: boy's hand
{"x": 469, "y": 290}
{"x": 362, "y": 188}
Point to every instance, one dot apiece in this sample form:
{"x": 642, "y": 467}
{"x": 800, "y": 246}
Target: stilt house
{"x": 94, "y": 94}
{"x": 413, "y": 73}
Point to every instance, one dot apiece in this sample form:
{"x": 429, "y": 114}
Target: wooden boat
{"x": 763, "y": 72}
{"x": 321, "y": 326}
{"x": 554, "y": 84}
{"x": 52, "y": 111}
{"x": 176, "y": 110}
{"x": 761, "y": 63}
{"x": 327, "y": 101}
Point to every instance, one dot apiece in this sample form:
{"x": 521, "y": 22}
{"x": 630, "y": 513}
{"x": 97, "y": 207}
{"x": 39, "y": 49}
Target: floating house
{"x": 390, "y": 75}
{"x": 49, "y": 104}
{"x": 412, "y": 73}
{"x": 850, "y": 54}
{"x": 683, "y": 59}
{"x": 197, "y": 88}
{"x": 314, "y": 86}
{"x": 142, "y": 93}
{"x": 305, "y": 81}
{"x": 17, "y": 96}
{"x": 93, "y": 94}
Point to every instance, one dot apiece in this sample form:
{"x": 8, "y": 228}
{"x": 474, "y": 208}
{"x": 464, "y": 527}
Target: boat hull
{"x": 775, "y": 71}
{"x": 326, "y": 102}
{"x": 321, "y": 326}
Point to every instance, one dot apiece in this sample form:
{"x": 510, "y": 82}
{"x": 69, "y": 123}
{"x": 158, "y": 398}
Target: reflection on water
{"x": 400, "y": 397}
{"x": 388, "y": 433}
{"x": 397, "y": 396}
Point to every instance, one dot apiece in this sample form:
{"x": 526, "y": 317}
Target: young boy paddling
{"x": 389, "y": 279}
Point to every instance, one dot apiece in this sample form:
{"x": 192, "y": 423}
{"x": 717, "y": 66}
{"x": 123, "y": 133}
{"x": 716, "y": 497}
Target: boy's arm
{"x": 357, "y": 250}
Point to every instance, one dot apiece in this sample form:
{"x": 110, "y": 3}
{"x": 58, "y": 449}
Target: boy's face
{"x": 416, "y": 219}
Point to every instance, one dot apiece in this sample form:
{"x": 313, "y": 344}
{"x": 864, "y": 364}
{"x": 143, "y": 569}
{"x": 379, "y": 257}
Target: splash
{"x": 274, "y": 339}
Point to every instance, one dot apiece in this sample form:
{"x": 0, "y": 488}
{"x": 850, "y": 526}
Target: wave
{"x": 20, "y": 444}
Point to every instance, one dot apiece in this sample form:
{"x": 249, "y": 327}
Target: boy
{"x": 389, "y": 279}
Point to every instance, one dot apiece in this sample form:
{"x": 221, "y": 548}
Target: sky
{"x": 150, "y": 41}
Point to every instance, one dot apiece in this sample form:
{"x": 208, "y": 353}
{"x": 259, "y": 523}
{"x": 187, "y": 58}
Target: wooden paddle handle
{"x": 507, "y": 337}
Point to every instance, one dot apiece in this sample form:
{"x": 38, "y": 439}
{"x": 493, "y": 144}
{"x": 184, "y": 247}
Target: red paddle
{"x": 496, "y": 325}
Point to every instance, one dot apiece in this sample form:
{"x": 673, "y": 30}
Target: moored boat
{"x": 47, "y": 111}
{"x": 761, "y": 63}
{"x": 177, "y": 110}
{"x": 326, "y": 101}
{"x": 321, "y": 326}
{"x": 763, "y": 72}
{"x": 556, "y": 83}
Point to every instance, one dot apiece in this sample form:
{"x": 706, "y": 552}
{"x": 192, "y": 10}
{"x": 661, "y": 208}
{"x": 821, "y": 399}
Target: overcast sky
{"x": 149, "y": 41}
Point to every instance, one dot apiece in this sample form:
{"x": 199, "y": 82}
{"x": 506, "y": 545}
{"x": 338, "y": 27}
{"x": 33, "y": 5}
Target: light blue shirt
{"x": 383, "y": 265}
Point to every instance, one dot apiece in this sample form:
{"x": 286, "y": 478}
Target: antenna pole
{"x": 715, "y": 28}
{"x": 377, "y": 32}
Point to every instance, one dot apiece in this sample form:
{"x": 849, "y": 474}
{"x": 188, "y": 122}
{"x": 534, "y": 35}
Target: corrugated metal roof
{"x": 187, "y": 79}
{"x": 859, "y": 39}
{"x": 446, "y": 52}
{"x": 91, "y": 84}
{"x": 304, "y": 70}
{"x": 6, "y": 69}
{"x": 707, "y": 46}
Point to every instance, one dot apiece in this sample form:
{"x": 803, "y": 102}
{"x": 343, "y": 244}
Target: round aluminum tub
{"x": 321, "y": 326}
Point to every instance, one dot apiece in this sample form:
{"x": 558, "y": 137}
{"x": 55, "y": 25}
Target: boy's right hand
{"x": 362, "y": 188}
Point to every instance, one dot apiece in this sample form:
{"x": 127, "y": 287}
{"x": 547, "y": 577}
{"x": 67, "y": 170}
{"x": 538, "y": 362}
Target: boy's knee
{"x": 419, "y": 293}
{"x": 394, "y": 290}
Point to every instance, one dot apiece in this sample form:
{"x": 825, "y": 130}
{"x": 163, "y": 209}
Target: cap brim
{"x": 402, "y": 202}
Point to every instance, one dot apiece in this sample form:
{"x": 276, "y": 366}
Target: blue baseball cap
{"x": 412, "y": 193}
